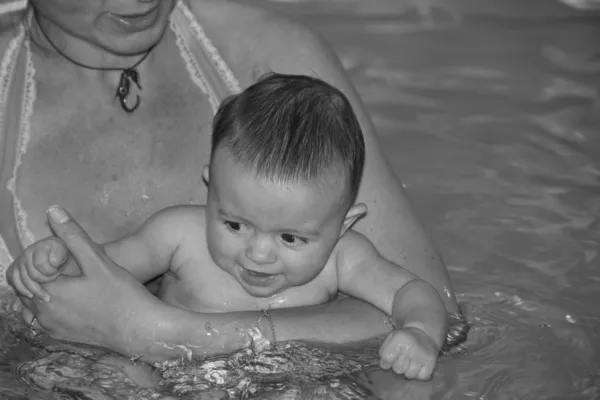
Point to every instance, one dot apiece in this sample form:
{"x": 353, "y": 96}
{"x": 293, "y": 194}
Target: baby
{"x": 286, "y": 163}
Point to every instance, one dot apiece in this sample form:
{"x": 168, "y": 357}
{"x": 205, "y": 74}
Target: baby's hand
{"x": 409, "y": 351}
{"x": 39, "y": 263}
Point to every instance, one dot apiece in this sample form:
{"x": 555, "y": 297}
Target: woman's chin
{"x": 124, "y": 37}
{"x": 133, "y": 44}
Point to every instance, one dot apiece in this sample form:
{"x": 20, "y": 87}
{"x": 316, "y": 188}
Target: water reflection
{"x": 492, "y": 123}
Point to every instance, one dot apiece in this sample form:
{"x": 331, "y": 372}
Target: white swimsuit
{"x": 205, "y": 65}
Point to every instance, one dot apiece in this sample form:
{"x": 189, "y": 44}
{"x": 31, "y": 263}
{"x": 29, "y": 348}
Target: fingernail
{"x": 47, "y": 299}
{"x": 57, "y": 214}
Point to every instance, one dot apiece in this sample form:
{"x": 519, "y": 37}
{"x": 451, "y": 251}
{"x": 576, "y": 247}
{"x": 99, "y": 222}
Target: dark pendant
{"x": 127, "y": 77}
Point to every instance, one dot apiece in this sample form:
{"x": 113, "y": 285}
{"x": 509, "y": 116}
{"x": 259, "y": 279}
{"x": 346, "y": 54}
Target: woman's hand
{"x": 108, "y": 307}
{"x": 100, "y": 306}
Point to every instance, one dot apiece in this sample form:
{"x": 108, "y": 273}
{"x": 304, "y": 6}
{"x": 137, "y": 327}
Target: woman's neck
{"x": 91, "y": 60}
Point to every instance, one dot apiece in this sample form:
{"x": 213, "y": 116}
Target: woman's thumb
{"x": 77, "y": 241}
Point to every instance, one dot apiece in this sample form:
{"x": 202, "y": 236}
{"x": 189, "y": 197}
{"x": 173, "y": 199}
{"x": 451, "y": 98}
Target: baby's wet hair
{"x": 292, "y": 129}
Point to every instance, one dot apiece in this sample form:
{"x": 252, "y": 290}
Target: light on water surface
{"x": 492, "y": 121}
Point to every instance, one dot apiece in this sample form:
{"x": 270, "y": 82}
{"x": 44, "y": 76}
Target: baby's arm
{"x": 417, "y": 311}
{"x": 147, "y": 253}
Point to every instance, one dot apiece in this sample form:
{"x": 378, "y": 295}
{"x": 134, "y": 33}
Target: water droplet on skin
{"x": 210, "y": 330}
{"x": 447, "y": 292}
{"x": 104, "y": 199}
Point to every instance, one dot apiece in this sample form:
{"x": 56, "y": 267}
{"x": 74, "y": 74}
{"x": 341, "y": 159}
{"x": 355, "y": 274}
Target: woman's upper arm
{"x": 391, "y": 223}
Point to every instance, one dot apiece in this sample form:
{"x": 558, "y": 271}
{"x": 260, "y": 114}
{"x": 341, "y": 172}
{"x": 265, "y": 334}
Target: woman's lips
{"x": 135, "y": 22}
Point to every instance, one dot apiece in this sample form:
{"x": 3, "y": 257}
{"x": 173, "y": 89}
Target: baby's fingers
{"x": 32, "y": 286}
{"x": 18, "y": 284}
{"x": 392, "y": 355}
{"x": 42, "y": 265}
{"x": 426, "y": 372}
{"x": 412, "y": 370}
{"x": 40, "y": 270}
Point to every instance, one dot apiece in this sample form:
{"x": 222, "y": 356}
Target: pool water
{"x": 489, "y": 111}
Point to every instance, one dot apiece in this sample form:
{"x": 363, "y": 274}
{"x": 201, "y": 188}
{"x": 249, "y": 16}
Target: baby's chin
{"x": 263, "y": 292}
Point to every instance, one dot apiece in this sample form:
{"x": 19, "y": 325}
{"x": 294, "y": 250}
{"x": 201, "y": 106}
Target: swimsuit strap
{"x": 207, "y": 68}
{"x": 17, "y": 93}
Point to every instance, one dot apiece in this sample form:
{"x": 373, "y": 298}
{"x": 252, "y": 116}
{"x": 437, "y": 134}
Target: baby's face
{"x": 270, "y": 236}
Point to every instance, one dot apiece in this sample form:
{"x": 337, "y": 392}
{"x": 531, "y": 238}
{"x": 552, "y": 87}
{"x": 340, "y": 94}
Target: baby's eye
{"x": 233, "y": 226}
{"x": 293, "y": 240}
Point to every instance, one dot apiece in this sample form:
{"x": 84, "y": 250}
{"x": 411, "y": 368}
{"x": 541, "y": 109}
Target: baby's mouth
{"x": 257, "y": 279}
{"x": 259, "y": 274}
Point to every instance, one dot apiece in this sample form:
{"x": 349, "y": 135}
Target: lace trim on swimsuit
{"x": 191, "y": 60}
{"x": 192, "y": 65}
{"x": 5, "y": 261}
{"x": 7, "y": 69}
{"x": 29, "y": 94}
{"x": 15, "y": 6}
{"x": 224, "y": 71}
{"x": 9, "y": 62}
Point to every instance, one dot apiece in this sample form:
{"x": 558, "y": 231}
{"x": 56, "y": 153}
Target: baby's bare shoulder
{"x": 353, "y": 250}
{"x": 179, "y": 214}
{"x": 178, "y": 222}
{"x": 355, "y": 243}
{"x": 185, "y": 227}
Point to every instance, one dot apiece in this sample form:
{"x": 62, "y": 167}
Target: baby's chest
{"x": 217, "y": 291}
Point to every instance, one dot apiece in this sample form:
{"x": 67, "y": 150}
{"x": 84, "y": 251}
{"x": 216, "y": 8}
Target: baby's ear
{"x": 205, "y": 174}
{"x": 355, "y": 213}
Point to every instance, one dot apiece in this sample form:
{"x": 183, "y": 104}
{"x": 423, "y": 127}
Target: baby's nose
{"x": 260, "y": 250}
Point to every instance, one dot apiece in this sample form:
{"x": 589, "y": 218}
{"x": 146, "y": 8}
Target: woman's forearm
{"x": 170, "y": 333}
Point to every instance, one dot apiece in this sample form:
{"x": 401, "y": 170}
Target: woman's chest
{"x": 112, "y": 170}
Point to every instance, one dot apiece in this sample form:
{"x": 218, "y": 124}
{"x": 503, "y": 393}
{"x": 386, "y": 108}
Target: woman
{"x": 106, "y": 108}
